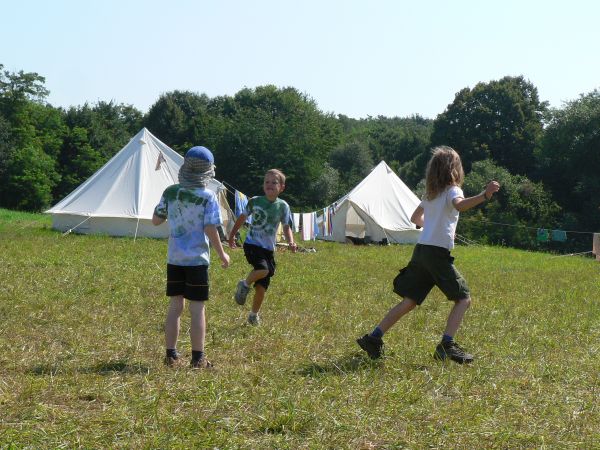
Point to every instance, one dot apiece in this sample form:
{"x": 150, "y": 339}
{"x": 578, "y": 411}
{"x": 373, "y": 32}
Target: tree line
{"x": 547, "y": 159}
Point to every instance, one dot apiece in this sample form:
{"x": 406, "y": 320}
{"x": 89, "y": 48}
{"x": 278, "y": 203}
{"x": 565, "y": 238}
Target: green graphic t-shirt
{"x": 187, "y": 212}
{"x": 266, "y": 217}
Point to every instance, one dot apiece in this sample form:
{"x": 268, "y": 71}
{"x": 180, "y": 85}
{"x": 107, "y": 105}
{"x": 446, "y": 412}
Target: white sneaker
{"x": 253, "y": 319}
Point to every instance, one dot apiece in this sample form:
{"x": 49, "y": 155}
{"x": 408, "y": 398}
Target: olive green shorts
{"x": 430, "y": 266}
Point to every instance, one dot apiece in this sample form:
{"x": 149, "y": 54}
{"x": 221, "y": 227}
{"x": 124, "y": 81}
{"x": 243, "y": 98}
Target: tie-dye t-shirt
{"x": 266, "y": 217}
{"x": 187, "y": 212}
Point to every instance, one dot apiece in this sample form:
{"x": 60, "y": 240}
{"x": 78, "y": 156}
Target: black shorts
{"x": 430, "y": 266}
{"x": 189, "y": 281}
{"x": 261, "y": 259}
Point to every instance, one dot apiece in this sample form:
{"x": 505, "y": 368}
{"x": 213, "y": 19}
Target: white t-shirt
{"x": 441, "y": 218}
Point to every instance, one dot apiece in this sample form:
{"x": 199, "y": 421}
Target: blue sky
{"x": 358, "y": 58}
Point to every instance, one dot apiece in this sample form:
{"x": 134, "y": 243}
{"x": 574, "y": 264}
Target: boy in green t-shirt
{"x": 259, "y": 247}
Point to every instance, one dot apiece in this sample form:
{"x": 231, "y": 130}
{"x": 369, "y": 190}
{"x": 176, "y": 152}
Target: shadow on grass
{"x": 46, "y": 369}
{"x": 341, "y": 366}
{"x": 121, "y": 366}
{"x": 102, "y": 368}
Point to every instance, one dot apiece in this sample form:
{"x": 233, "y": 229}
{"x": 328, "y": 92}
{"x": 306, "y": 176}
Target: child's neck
{"x": 271, "y": 199}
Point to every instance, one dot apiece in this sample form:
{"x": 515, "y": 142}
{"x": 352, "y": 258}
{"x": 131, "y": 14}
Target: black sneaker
{"x": 453, "y": 351}
{"x": 372, "y": 345}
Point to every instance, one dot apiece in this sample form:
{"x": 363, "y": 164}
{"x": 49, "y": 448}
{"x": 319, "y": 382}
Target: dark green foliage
{"x": 19, "y": 88}
{"x": 93, "y": 135}
{"x": 570, "y": 160}
{"x": 31, "y": 134}
{"x": 31, "y": 178}
{"x": 501, "y": 120}
{"x": 109, "y": 126}
{"x": 181, "y": 120}
{"x": 352, "y": 161}
{"x": 6, "y": 147}
{"x": 521, "y": 206}
{"x": 401, "y": 142}
{"x": 326, "y": 189}
{"x": 77, "y": 161}
{"x": 267, "y": 128}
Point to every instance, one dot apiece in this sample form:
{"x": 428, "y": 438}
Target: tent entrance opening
{"x": 355, "y": 226}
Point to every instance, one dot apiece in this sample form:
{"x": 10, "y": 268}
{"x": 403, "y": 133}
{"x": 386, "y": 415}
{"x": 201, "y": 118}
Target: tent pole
{"x": 136, "y": 229}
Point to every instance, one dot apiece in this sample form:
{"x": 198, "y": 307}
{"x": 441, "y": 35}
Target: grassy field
{"x": 81, "y": 340}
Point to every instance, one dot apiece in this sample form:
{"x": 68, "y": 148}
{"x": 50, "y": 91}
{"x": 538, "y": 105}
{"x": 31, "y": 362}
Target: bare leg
{"x": 256, "y": 275}
{"x": 394, "y": 314}
{"x": 456, "y": 316}
{"x": 173, "y": 320}
{"x": 198, "y": 325}
{"x": 259, "y": 296}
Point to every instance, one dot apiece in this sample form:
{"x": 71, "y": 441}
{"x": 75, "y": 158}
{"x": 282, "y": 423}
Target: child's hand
{"x": 491, "y": 188}
{"x": 293, "y": 247}
{"x": 225, "y": 260}
{"x": 231, "y": 242}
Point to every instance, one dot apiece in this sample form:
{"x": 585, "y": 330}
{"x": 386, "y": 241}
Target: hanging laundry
{"x": 596, "y": 246}
{"x": 559, "y": 235}
{"x": 326, "y": 222}
{"x": 315, "y": 226}
{"x": 542, "y": 235}
{"x": 296, "y": 217}
{"x": 307, "y": 227}
{"x": 330, "y": 213}
{"x": 240, "y": 203}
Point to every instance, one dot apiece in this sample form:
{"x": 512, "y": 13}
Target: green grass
{"x": 81, "y": 339}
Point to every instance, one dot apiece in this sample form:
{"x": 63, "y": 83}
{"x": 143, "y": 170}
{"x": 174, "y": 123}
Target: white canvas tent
{"x": 378, "y": 208}
{"x": 119, "y": 199}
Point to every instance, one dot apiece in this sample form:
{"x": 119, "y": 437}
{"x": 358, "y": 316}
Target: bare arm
{"x": 236, "y": 226}
{"x": 215, "y": 241}
{"x": 464, "y": 204}
{"x": 157, "y": 220}
{"x": 287, "y": 231}
{"x": 417, "y": 217}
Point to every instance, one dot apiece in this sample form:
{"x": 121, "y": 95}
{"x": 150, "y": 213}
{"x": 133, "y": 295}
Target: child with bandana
{"x": 267, "y": 213}
{"x": 193, "y": 214}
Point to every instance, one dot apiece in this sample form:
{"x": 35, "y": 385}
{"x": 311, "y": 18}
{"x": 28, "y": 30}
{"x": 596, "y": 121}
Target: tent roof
{"x": 385, "y": 198}
{"x": 130, "y": 183}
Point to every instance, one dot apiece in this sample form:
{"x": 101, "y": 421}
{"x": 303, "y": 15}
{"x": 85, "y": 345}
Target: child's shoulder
{"x": 454, "y": 189}
{"x": 171, "y": 191}
{"x": 282, "y": 202}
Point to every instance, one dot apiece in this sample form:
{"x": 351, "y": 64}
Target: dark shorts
{"x": 430, "y": 266}
{"x": 189, "y": 281}
{"x": 261, "y": 259}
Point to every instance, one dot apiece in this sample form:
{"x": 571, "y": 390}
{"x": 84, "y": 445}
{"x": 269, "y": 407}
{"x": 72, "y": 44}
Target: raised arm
{"x": 463, "y": 204}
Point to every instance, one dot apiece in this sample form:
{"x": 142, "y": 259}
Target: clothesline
{"x": 531, "y": 228}
{"x": 225, "y": 183}
{"x": 573, "y": 254}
